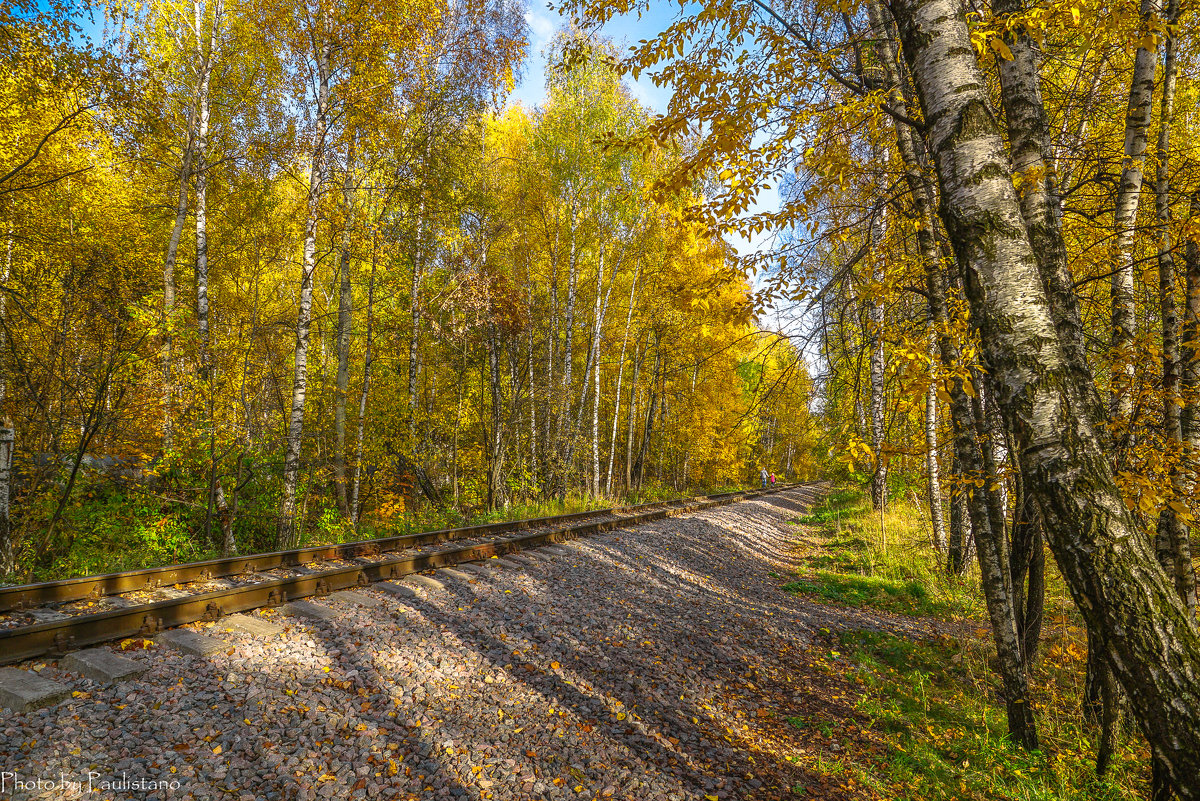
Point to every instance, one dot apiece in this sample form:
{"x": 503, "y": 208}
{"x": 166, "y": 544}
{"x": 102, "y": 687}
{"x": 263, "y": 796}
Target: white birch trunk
{"x": 344, "y": 321}
{"x": 8, "y": 563}
{"x": 1124, "y": 311}
{"x": 287, "y": 535}
{"x": 368, "y": 358}
{"x": 168, "y": 316}
{"x": 934, "y": 484}
{"x": 1147, "y": 635}
{"x": 612, "y": 442}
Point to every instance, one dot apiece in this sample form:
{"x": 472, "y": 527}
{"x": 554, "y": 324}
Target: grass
{"x": 885, "y": 564}
{"x": 935, "y": 703}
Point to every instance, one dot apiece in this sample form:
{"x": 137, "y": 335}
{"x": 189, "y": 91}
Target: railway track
{"x": 53, "y": 618}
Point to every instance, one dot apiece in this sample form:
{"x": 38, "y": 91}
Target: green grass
{"x": 936, "y": 702}
{"x": 863, "y": 561}
{"x": 910, "y": 597}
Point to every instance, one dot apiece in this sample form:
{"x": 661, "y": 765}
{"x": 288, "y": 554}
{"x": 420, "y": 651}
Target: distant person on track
{"x": 772, "y": 479}
{"x": 762, "y": 473}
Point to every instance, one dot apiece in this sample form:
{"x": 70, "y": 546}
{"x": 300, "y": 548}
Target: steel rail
{"x": 25, "y": 596}
{"x": 56, "y": 638}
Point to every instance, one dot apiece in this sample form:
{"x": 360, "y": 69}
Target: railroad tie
{"x": 255, "y": 626}
{"x": 191, "y": 643}
{"x": 357, "y": 598}
{"x": 102, "y": 665}
{"x": 309, "y": 610}
{"x": 452, "y": 574}
{"x": 25, "y": 691}
{"x": 423, "y": 583}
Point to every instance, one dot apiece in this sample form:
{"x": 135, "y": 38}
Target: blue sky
{"x": 623, "y": 30}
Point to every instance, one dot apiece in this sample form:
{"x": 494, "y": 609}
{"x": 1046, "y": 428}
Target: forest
{"x": 287, "y": 273}
{"x": 989, "y": 228}
{"x": 281, "y": 274}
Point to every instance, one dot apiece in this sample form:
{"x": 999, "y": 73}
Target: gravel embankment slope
{"x": 623, "y": 669}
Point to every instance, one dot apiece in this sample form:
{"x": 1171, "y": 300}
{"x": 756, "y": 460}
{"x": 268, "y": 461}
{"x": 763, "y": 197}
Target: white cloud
{"x": 541, "y": 25}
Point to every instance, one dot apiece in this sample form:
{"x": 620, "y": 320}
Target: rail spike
{"x": 62, "y": 644}
{"x": 362, "y": 579}
{"x": 212, "y": 612}
{"x": 322, "y": 588}
{"x": 150, "y": 625}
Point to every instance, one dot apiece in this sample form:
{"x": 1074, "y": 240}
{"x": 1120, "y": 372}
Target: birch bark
{"x": 168, "y": 316}
{"x": 1145, "y": 631}
{"x": 8, "y": 562}
{"x": 368, "y": 358}
{"x": 934, "y": 484}
{"x": 875, "y": 343}
{"x": 1137, "y": 126}
{"x": 612, "y": 442}
{"x": 345, "y": 316}
{"x": 287, "y": 533}
{"x": 972, "y": 456}
{"x": 1189, "y": 355}
{"x": 1171, "y": 542}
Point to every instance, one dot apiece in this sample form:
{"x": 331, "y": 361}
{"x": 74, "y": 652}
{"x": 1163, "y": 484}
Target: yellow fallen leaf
{"x": 217, "y": 750}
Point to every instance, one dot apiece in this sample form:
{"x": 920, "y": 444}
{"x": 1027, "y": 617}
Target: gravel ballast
{"x": 603, "y": 671}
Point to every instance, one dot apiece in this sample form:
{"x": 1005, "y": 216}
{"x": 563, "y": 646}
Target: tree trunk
{"x": 1171, "y": 542}
{"x": 1027, "y": 564}
{"x": 345, "y": 315}
{"x": 597, "y": 342}
{"x": 1147, "y": 635}
{"x": 497, "y": 495}
{"x": 612, "y": 441}
{"x": 8, "y": 560}
{"x": 639, "y": 466}
{"x": 934, "y": 484}
{"x": 1124, "y": 309}
{"x": 414, "y": 338}
{"x": 631, "y": 416}
{"x": 168, "y": 315}
{"x": 568, "y": 345}
{"x": 368, "y": 358}
{"x": 1041, "y": 206}
{"x": 970, "y": 429}
{"x": 962, "y": 541}
{"x": 8, "y": 554}
{"x": 288, "y": 535}
{"x": 1189, "y": 384}
{"x": 875, "y": 340}
{"x": 206, "y": 61}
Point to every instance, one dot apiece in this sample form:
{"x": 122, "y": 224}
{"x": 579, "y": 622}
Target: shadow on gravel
{"x": 676, "y": 660}
{"x": 697, "y": 664}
